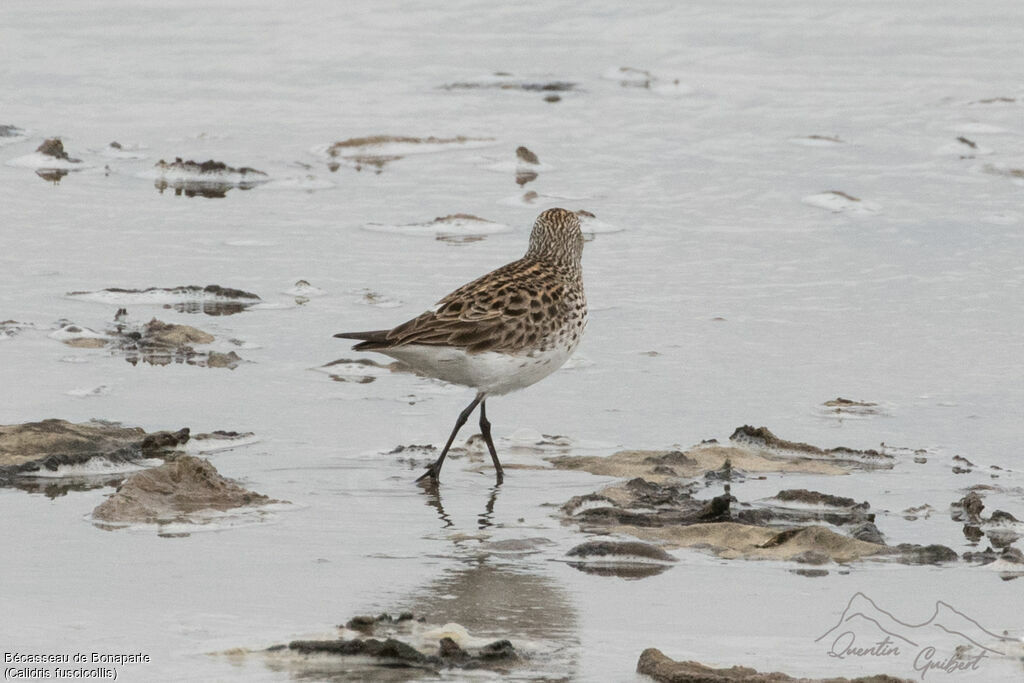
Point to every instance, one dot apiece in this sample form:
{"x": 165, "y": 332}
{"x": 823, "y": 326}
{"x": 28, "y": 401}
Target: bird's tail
{"x": 377, "y": 339}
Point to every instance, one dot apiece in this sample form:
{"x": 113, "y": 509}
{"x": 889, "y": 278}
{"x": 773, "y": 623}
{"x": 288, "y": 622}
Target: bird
{"x": 501, "y": 332}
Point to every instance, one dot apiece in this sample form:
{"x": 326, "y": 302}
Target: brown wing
{"x": 514, "y": 306}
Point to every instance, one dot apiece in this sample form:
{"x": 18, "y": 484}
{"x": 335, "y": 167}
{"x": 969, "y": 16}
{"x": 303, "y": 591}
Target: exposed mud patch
{"x": 210, "y": 179}
{"x": 788, "y": 526}
{"x": 843, "y": 408}
{"x": 154, "y": 343}
{"x": 211, "y": 299}
{"x": 753, "y": 450}
{"x": 55, "y": 457}
{"x": 913, "y": 553}
{"x": 967, "y": 509}
{"x": 1001, "y": 528}
{"x": 1009, "y": 562}
{"x": 526, "y": 166}
{"x": 126, "y": 151}
{"x": 33, "y": 449}
{"x": 800, "y": 506}
{"x": 660, "y": 503}
{"x": 160, "y": 343}
{"x": 175, "y": 492}
{"x": 376, "y": 151}
{"x": 50, "y": 160}
{"x": 762, "y": 439}
{"x": 9, "y": 133}
{"x": 655, "y": 664}
{"x": 11, "y": 328}
{"x": 622, "y": 559}
{"x": 505, "y": 81}
{"x": 368, "y": 647}
{"x": 53, "y": 147}
{"x": 303, "y": 291}
{"x": 668, "y": 513}
{"x": 525, "y": 156}
{"x": 732, "y": 540}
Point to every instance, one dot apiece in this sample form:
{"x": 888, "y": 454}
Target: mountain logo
{"x": 948, "y": 641}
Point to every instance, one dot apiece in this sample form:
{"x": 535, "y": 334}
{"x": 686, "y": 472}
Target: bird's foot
{"x": 430, "y": 475}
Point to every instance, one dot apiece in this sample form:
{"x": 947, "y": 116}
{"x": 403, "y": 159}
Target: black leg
{"x": 434, "y": 470}
{"x": 485, "y": 429}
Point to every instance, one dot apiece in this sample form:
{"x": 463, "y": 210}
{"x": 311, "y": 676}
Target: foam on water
{"x": 71, "y": 332}
{"x": 40, "y": 161}
{"x": 94, "y": 468}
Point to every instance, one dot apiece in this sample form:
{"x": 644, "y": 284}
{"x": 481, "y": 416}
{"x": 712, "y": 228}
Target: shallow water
{"x": 759, "y": 306}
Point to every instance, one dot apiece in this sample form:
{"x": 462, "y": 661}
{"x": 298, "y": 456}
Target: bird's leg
{"x": 434, "y": 470}
{"x": 485, "y": 429}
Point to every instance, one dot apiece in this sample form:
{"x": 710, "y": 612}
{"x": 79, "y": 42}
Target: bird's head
{"x": 557, "y": 237}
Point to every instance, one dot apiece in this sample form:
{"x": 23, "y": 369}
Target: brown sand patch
{"x": 173, "y": 492}
{"x": 730, "y": 540}
{"x": 655, "y": 664}
{"x": 692, "y": 463}
{"x": 32, "y": 447}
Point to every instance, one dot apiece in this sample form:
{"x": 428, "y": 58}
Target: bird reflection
{"x": 433, "y": 494}
{"x": 487, "y": 515}
{"x": 52, "y": 175}
{"x": 433, "y": 497}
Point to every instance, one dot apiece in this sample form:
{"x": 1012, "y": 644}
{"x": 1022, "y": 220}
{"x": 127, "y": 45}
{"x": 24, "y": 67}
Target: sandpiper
{"x": 501, "y": 332}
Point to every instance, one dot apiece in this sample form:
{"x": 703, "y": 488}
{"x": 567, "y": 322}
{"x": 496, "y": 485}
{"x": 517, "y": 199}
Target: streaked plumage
{"x": 503, "y": 331}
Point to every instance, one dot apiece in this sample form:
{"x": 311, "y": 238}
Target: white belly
{"x": 489, "y": 372}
